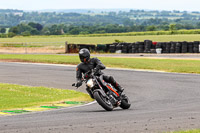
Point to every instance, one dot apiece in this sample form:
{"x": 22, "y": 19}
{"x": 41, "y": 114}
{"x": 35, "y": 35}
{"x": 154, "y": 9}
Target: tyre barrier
{"x": 130, "y": 47}
{"x": 119, "y": 48}
{"x": 112, "y": 48}
{"x": 190, "y": 47}
{"x": 147, "y": 46}
{"x": 168, "y": 47}
{"x": 173, "y": 47}
{"x": 184, "y": 47}
{"x": 134, "y": 48}
{"x": 102, "y": 48}
{"x": 139, "y": 47}
{"x": 178, "y": 47}
{"x": 164, "y": 47}
{"x": 196, "y": 47}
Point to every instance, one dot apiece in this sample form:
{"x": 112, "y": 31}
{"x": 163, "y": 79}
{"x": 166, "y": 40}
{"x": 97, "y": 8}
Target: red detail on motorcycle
{"x": 112, "y": 90}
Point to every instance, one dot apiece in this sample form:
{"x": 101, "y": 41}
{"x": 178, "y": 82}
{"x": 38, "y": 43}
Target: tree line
{"x": 53, "y": 23}
{"x": 63, "y": 29}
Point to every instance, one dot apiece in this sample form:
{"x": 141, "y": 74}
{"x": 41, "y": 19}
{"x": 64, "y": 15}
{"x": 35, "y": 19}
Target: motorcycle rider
{"x": 87, "y": 64}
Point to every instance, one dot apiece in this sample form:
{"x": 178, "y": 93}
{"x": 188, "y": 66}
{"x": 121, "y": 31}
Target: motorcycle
{"x": 104, "y": 93}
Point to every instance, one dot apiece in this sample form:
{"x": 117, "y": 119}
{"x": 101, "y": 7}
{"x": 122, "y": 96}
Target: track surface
{"x": 160, "y": 102}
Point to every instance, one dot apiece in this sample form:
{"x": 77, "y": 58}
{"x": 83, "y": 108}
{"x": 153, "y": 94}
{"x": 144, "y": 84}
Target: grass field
{"x": 60, "y": 40}
{"x": 56, "y": 44}
{"x": 168, "y": 65}
{"x": 17, "y": 96}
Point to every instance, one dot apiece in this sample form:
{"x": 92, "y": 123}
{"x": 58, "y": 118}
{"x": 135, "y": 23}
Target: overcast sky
{"x": 188, "y": 5}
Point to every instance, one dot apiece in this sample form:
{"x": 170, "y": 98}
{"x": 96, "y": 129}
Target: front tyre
{"x": 104, "y": 102}
{"x": 125, "y": 103}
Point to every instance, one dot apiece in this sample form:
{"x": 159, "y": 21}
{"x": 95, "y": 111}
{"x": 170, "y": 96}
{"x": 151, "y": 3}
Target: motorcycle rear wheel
{"x": 104, "y": 102}
{"x": 125, "y": 103}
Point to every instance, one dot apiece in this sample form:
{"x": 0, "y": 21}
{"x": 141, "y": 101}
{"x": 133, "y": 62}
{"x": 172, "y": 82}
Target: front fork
{"x": 90, "y": 92}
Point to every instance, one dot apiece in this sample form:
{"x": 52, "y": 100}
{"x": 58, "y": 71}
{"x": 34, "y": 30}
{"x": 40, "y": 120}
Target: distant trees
{"x": 53, "y": 23}
{"x": 172, "y": 28}
{"x": 14, "y": 30}
{"x": 37, "y": 26}
{"x": 151, "y": 28}
{"x": 27, "y": 29}
{"x": 2, "y": 30}
{"x": 60, "y": 29}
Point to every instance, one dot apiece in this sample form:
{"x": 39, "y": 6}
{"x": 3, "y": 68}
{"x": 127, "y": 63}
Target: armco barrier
{"x": 138, "y": 47}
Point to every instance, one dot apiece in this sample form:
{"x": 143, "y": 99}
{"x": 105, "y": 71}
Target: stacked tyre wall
{"x": 139, "y": 47}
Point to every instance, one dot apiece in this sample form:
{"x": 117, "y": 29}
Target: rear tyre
{"x": 104, "y": 102}
{"x": 125, "y": 103}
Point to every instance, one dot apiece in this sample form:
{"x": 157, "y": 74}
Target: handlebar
{"x": 90, "y": 72}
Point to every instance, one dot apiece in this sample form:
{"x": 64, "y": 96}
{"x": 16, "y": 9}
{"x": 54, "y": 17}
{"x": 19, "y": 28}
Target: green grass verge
{"x": 17, "y": 96}
{"x": 20, "y": 45}
{"x": 60, "y": 40}
{"x": 168, "y": 65}
{"x": 189, "y": 131}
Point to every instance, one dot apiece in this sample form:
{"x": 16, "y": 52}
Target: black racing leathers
{"x": 95, "y": 63}
{"x": 85, "y": 67}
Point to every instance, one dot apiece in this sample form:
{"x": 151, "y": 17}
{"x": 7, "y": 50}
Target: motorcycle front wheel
{"x": 104, "y": 102}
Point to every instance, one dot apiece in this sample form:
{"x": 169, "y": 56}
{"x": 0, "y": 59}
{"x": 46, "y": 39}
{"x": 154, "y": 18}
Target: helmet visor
{"x": 82, "y": 58}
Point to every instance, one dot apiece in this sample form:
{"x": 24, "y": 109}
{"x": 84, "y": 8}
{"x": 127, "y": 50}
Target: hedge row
{"x": 139, "y": 47}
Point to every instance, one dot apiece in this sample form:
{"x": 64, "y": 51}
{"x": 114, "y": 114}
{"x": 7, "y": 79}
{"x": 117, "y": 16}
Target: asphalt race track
{"x": 161, "y": 102}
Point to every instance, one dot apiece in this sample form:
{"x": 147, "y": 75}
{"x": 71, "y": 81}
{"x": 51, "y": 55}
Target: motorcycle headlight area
{"x": 90, "y": 83}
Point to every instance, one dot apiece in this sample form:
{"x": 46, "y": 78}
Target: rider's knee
{"x": 111, "y": 79}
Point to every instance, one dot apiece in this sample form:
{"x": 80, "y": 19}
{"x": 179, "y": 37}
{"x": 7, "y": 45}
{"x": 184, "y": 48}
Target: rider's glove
{"x": 86, "y": 75}
{"x": 78, "y": 84}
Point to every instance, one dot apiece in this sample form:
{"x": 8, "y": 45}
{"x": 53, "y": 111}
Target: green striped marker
{"x": 15, "y": 111}
{"x": 51, "y": 107}
{"x": 73, "y": 102}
